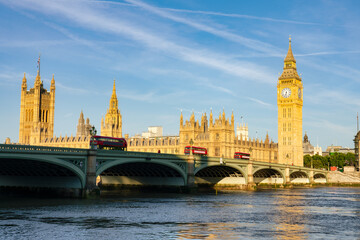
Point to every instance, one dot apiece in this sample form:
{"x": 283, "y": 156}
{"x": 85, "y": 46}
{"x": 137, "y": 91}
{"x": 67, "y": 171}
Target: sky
{"x": 190, "y": 56}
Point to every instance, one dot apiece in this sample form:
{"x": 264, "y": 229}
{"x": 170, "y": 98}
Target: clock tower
{"x": 290, "y": 102}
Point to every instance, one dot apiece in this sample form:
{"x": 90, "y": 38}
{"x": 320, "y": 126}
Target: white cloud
{"x": 92, "y": 18}
{"x": 250, "y": 43}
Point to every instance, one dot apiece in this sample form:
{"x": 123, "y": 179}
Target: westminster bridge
{"x": 86, "y": 169}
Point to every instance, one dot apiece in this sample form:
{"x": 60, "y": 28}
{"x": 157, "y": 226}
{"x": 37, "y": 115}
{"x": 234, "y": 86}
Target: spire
{"x": 192, "y": 118}
{"x": 290, "y": 56}
{"x": 81, "y": 118}
{"x": 24, "y": 85}
{"x": 113, "y": 101}
{"x": 289, "y": 65}
{"x": 53, "y": 81}
{"x": 232, "y": 118}
{"x": 38, "y": 79}
{"x": 114, "y": 91}
{"x": 267, "y": 138}
{"x": 181, "y": 118}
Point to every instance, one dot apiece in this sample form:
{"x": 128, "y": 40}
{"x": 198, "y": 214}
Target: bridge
{"x": 88, "y": 169}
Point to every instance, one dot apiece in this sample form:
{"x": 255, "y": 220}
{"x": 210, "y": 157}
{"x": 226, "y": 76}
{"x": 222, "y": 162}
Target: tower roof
{"x": 289, "y": 56}
{"x": 289, "y": 65}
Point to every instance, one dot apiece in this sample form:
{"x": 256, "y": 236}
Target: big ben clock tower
{"x": 290, "y": 102}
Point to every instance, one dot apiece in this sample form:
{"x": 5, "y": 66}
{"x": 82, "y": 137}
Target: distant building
{"x": 242, "y": 132}
{"x": 153, "y": 132}
{"x": 309, "y": 149}
{"x": 338, "y": 149}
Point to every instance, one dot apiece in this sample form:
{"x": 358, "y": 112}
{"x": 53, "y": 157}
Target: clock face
{"x": 299, "y": 92}
{"x": 286, "y": 92}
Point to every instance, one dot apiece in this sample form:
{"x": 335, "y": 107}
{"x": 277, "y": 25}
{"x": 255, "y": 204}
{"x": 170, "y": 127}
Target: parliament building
{"x": 217, "y": 134}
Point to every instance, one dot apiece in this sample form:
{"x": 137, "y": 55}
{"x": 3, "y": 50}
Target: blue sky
{"x": 191, "y": 55}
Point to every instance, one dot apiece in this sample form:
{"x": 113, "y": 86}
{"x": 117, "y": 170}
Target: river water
{"x": 306, "y": 213}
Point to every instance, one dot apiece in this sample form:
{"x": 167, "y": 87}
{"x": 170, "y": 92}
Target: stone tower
{"x": 37, "y": 109}
{"x": 112, "y": 126}
{"x": 83, "y": 129}
{"x": 290, "y": 102}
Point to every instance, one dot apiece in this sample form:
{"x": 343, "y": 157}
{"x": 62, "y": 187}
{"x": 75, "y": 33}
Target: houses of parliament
{"x": 217, "y": 134}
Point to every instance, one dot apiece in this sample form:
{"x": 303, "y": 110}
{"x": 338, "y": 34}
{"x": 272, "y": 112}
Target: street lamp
{"x": 191, "y": 142}
{"x": 92, "y": 134}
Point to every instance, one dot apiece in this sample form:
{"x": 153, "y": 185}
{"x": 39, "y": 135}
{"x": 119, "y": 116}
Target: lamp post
{"x": 191, "y": 142}
{"x": 92, "y": 134}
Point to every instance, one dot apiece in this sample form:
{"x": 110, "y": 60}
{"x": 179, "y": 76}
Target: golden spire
{"x": 289, "y": 65}
{"x": 38, "y": 79}
{"x": 290, "y": 56}
{"x": 114, "y": 91}
{"x": 24, "y": 85}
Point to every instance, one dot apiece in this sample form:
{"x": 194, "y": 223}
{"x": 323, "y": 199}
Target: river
{"x": 303, "y": 213}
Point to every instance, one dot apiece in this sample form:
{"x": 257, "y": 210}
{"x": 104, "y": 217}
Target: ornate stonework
{"x": 112, "y": 126}
{"x": 36, "y": 112}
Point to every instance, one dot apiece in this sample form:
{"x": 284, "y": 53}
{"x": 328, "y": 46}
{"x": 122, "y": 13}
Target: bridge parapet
{"x": 31, "y": 148}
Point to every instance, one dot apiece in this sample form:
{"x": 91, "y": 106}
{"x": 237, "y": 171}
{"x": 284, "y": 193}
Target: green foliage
{"x": 335, "y": 159}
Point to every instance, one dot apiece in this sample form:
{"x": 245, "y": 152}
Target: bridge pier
{"x": 250, "y": 175}
{"x": 311, "y": 176}
{"x": 190, "y": 176}
{"x": 91, "y": 189}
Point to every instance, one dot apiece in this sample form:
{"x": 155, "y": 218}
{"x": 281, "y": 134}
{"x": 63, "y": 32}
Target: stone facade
{"x": 216, "y": 135}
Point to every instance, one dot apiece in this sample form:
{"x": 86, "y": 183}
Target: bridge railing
{"x": 31, "y": 148}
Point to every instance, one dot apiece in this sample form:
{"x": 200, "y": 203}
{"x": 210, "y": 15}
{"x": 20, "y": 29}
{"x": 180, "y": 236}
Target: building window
{"x": 284, "y": 112}
{"x": 284, "y": 140}
{"x": 289, "y": 140}
{"x": 217, "y": 151}
{"x": 284, "y": 127}
{"x": 289, "y": 127}
{"x": 289, "y": 112}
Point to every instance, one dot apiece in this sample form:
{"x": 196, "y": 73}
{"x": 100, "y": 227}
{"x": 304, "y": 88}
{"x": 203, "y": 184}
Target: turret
{"x": 232, "y": 119}
{"x": 24, "y": 83}
{"x": 181, "y": 119}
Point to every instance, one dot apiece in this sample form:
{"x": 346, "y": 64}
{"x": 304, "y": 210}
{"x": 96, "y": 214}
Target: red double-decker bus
{"x": 110, "y": 143}
{"x": 242, "y": 155}
{"x": 195, "y": 150}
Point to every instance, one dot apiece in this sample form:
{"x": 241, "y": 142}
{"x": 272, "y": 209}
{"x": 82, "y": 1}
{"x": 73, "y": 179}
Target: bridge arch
{"x": 142, "y": 172}
{"x": 320, "y": 177}
{"x": 46, "y": 171}
{"x": 299, "y": 177}
{"x": 220, "y": 174}
{"x": 268, "y": 176}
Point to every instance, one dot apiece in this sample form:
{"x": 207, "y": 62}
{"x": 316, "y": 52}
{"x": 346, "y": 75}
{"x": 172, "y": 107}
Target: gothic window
{"x": 217, "y": 136}
{"x": 284, "y": 127}
{"x": 186, "y": 137}
{"x": 289, "y": 140}
{"x": 289, "y": 127}
{"x": 284, "y": 140}
{"x": 284, "y": 112}
{"x": 289, "y": 112}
